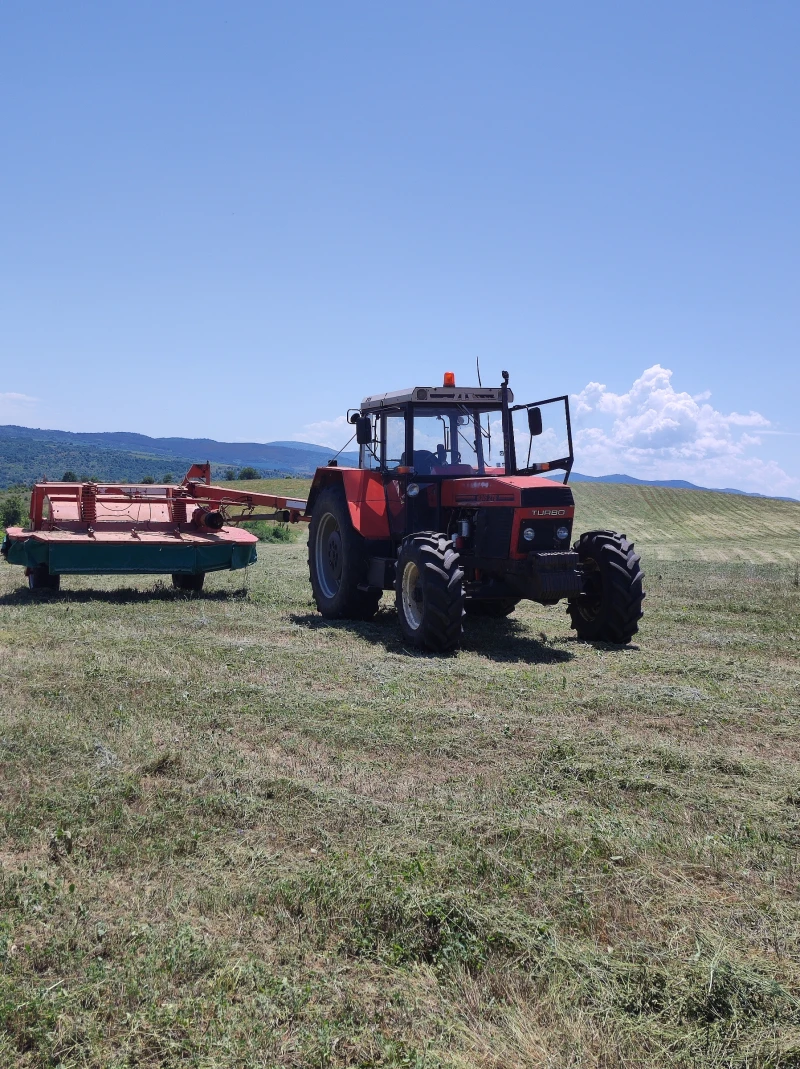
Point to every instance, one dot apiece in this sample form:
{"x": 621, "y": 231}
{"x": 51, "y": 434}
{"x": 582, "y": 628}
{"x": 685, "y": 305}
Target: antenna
{"x": 488, "y": 417}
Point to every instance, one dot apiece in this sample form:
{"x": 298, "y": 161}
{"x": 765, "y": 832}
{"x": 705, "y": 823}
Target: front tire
{"x": 188, "y": 583}
{"x": 338, "y": 561}
{"x": 429, "y": 592}
{"x": 610, "y": 606}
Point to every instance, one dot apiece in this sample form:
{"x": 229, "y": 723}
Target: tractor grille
{"x": 547, "y": 497}
{"x": 545, "y": 537}
{"x": 493, "y": 532}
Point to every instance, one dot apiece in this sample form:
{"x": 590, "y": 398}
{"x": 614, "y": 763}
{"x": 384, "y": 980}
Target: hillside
{"x": 674, "y": 484}
{"x": 25, "y": 461}
{"x": 701, "y": 525}
{"x": 27, "y": 454}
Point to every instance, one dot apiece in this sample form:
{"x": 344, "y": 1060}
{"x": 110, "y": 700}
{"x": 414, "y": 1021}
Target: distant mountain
{"x": 24, "y": 461}
{"x": 675, "y": 484}
{"x": 28, "y": 454}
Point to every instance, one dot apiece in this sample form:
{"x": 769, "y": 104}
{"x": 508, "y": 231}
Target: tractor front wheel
{"x": 429, "y": 591}
{"x": 610, "y": 606}
{"x": 189, "y": 583}
{"x": 338, "y": 561}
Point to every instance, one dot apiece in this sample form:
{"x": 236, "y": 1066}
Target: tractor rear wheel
{"x": 41, "y": 578}
{"x": 181, "y": 581}
{"x": 494, "y": 607}
{"x": 429, "y": 591}
{"x": 338, "y": 561}
{"x": 610, "y": 606}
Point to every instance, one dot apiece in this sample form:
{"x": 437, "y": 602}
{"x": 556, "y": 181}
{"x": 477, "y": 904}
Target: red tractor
{"x": 450, "y": 508}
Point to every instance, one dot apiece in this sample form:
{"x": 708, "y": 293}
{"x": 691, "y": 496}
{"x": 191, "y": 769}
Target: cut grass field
{"x": 236, "y": 835}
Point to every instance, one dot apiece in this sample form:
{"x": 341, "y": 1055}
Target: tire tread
{"x": 620, "y": 609}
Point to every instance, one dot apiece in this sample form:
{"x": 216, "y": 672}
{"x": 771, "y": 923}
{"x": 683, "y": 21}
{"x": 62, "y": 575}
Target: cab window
{"x": 395, "y": 441}
{"x": 447, "y": 440}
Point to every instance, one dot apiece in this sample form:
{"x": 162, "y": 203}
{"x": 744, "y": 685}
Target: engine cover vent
{"x": 547, "y": 496}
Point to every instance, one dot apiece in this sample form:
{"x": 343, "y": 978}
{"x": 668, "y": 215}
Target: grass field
{"x": 235, "y": 835}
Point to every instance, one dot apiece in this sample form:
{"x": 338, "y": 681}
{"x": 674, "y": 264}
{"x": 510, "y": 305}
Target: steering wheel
{"x": 424, "y": 460}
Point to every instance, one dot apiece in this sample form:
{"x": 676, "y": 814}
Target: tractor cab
{"x": 452, "y": 431}
{"x": 455, "y": 507}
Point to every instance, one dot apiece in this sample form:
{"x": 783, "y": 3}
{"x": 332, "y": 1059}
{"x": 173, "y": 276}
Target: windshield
{"x": 455, "y": 440}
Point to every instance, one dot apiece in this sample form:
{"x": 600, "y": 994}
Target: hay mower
{"x": 453, "y": 506}
{"x": 121, "y": 529}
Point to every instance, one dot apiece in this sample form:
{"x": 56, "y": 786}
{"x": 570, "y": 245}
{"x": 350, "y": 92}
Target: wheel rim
{"x": 329, "y": 556}
{"x": 413, "y": 598}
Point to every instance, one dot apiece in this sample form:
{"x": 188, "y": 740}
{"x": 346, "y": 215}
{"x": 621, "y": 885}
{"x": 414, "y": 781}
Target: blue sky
{"x": 236, "y": 220}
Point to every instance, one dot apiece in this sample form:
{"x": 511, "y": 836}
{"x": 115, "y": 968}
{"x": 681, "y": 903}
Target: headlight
{"x": 412, "y": 489}
{"x": 529, "y": 534}
{"x": 562, "y": 533}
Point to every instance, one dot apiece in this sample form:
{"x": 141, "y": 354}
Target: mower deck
{"x": 126, "y": 551}
{"x": 115, "y": 529}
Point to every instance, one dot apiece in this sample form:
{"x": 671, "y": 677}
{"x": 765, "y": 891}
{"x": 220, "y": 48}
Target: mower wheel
{"x": 610, "y": 606}
{"x": 429, "y": 591}
{"x": 338, "y": 561}
{"x": 181, "y": 581}
{"x": 494, "y": 607}
{"x": 41, "y": 578}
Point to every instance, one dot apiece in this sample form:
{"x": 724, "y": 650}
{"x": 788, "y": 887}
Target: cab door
{"x": 395, "y": 451}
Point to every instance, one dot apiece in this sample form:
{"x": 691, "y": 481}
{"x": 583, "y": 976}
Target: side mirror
{"x": 535, "y": 421}
{"x": 363, "y": 430}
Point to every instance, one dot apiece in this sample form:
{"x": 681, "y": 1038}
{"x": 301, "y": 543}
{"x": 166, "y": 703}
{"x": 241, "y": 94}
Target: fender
{"x": 365, "y": 496}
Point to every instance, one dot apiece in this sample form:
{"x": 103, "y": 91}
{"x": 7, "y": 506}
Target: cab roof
{"x": 484, "y": 396}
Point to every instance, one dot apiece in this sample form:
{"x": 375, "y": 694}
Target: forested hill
{"x": 30, "y": 453}
{"x": 26, "y": 461}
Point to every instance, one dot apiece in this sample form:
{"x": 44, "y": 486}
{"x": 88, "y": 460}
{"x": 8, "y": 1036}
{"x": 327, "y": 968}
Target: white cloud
{"x": 329, "y": 432}
{"x": 16, "y": 406}
{"x": 655, "y": 432}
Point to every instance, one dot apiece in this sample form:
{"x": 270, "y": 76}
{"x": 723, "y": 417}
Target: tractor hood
{"x": 521, "y": 491}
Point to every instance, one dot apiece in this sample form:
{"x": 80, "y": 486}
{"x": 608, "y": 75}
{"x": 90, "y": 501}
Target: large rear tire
{"x": 190, "y": 583}
{"x": 610, "y": 606}
{"x": 338, "y": 561}
{"x": 493, "y": 607}
{"x": 41, "y": 578}
{"x": 429, "y": 592}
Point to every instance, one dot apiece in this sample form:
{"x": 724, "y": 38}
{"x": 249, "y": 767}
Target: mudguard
{"x": 365, "y": 495}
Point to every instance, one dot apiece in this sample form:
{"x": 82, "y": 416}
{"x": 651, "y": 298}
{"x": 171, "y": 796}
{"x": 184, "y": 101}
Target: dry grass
{"x": 234, "y": 835}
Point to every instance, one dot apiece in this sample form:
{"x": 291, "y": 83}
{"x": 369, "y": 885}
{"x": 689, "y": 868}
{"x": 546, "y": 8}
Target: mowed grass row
{"x": 236, "y": 835}
{"x": 694, "y": 524}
